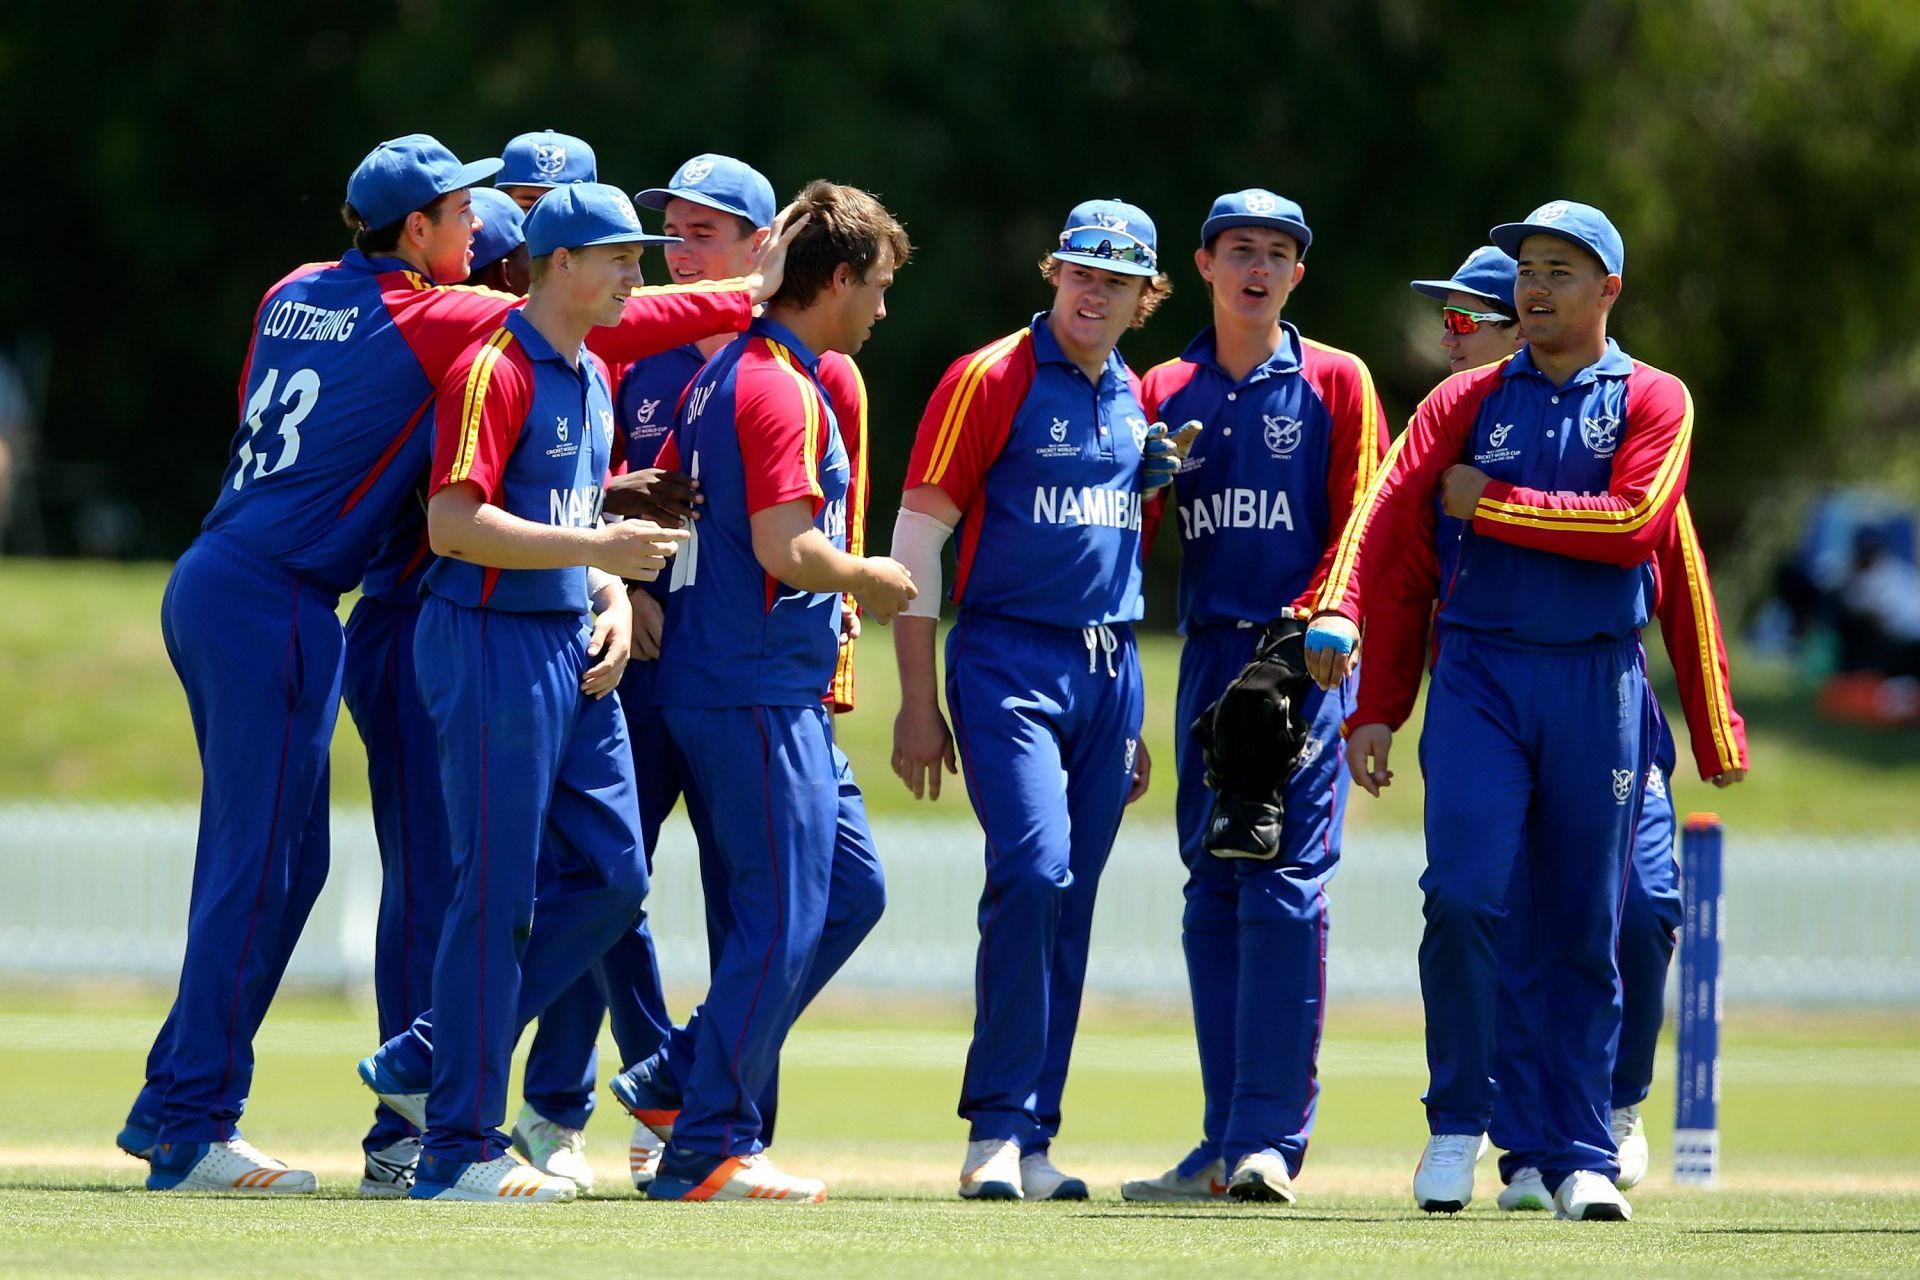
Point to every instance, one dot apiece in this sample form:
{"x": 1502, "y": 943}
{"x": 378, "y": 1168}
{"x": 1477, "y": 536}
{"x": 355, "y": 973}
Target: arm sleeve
{"x": 661, "y": 318}
{"x": 847, "y": 393}
{"x": 668, "y": 458}
{"x": 781, "y": 422}
{"x": 966, "y": 422}
{"x": 478, "y": 414}
{"x": 1359, "y": 442}
{"x": 1399, "y": 624}
{"x": 1623, "y": 525}
{"x": 440, "y": 322}
{"x": 1690, "y": 625}
{"x": 1385, "y": 522}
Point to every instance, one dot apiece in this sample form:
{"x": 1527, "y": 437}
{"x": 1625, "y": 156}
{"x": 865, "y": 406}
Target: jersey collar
{"x": 538, "y": 348}
{"x": 1046, "y": 350}
{"x": 765, "y": 328}
{"x": 1614, "y": 364}
{"x": 1285, "y": 357}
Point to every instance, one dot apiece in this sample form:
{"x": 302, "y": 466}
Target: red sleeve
{"x": 1690, "y": 625}
{"x": 439, "y": 322}
{"x": 253, "y": 336}
{"x": 477, "y": 418}
{"x": 847, "y": 393}
{"x": 1623, "y": 525}
{"x": 1159, "y": 386}
{"x": 966, "y": 422}
{"x": 1359, "y": 442}
{"x": 1386, "y": 521}
{"x": 668, "y": 459}
{"x": 1399, "y": 623}
{"x": 663, "y": 317}
{"x": 780, "y": 420}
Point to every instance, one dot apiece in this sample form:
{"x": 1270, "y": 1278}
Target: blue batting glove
{"x": 1323, "y": 639}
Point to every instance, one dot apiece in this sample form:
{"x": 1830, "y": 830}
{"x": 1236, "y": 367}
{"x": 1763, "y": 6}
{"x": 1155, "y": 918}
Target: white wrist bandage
{"x": 917, "y": 543}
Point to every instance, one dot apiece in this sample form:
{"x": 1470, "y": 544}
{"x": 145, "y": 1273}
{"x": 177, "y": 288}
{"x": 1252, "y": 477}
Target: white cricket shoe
{"x": 1039, "y": 1180}
{"x": 502, "y": 1180}
{"x": 1587, "y": 1196}
{"x": 992, "y": 1170}
{"x": 553, "y": 1148}
{"x": 1261, "y": 1177}
{"x": 389, "y": 1171}
{"x": 1526, "y": 1191}
{"x": 1630, "y": 1137}
{"x": 739, "y": 1178}
{"x": 1443, "y": 1180}
{"x": 643, "y": 1155}
{"x": 233, "y": 1165}
{"x": 1171, "y": 1187}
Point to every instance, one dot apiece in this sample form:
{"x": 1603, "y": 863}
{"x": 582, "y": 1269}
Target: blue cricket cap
{"x": 1582, "y": 224}
{"x": 719, "y": 182}
{"x": 546, "y": 159}
{"x": 1111, "y": 235}
{"x": 1487, "y": 273}
{"x": 585, "y": 213}
{"x": 503, "y": 226}
{"x": 409, "y": 173}
{"x": 1256, "y": 207}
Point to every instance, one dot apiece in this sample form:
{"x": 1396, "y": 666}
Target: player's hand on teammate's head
{"x": 1367, "y": 749}
{"x": 668, "y": 497}
{"x": 637, "y": 550}
{"x": 887, "y": 590}
{"x": 922, "y": 744}
{"x": 1332, "y": 648}
{"x": 773, "y": 262}
{"x": 1163, "y": 452}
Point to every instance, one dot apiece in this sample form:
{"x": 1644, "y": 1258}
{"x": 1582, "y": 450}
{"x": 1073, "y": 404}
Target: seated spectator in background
{"x": 1879, "y": 609}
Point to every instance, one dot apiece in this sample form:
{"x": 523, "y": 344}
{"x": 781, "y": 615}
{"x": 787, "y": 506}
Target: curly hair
{"x": 1159, "y": 289}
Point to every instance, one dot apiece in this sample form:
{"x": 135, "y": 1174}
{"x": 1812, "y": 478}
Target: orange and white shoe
{"x": 643, "y": 1155}
{"x": 502, "y": 1180}
{"x": 235, "y": 1166}
{"x": 692, "y": 1177}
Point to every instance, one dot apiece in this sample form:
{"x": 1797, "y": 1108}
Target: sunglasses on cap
{"x": 1459, "y": 320}
{"x": 1104, "y": 242}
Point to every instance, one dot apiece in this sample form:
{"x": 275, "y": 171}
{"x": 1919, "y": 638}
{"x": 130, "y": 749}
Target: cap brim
{"x": 542, "y": 184}
{"x": 1105, "y": 264}
{"x": 638, "y": 237}
{"x": 657, "y": 197}
{"x": 470, "y": 174}
{"x": 1227, "y": 222}
{"x": 1508, "y": 236}
{"x": 1439, "y": 289}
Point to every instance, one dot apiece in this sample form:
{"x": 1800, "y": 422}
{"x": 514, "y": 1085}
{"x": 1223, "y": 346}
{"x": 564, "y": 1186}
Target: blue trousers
{"x": 1047, "y": 721}
{"x": 770, "y": 778}
{"x": 1650, "y": 919}
{"x": 562, "y": 1062}
{"x": 1255, "y": 933}
{"x": 258, "y": 653}
{"x": 409, "y": 821}
{"x": 856, "y": 897}
{"x": 1533, "y": 753}
{"x": 541, "y": 810}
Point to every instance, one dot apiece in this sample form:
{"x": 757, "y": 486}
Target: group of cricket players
{"x": 611, "y": 543}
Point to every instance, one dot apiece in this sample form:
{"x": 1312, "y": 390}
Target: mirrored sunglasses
{"x": 1459, "y": 320}
{"x": 1105, "y": 242}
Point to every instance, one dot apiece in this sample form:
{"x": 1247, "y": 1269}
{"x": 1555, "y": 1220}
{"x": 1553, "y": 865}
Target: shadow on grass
{"x": 1802, "y": 1231}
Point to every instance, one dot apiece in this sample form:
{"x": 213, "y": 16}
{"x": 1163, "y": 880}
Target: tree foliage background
{"x": 1762, "y": 158}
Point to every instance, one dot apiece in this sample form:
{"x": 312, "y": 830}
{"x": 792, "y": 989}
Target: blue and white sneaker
{"x": 138, "y": 1136}
{"x": 407, "y": 1098}
{"x": 687, "y": 1175}
{"x": 389, "y": 1171}
{"x": 231, "y": 1166}
{"x": 648, "y": 1097}
{"x": 502, "y": 1180}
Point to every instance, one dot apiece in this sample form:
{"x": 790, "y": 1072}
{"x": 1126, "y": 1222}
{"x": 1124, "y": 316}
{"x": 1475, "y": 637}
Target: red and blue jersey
{"x": 1284, "y": 455}
{"x": 647, "y": 400}
{"x": 534, "y": 433}
{"x": 340, "y": 376}
{"x": 757, "y": 430}
{"x": 1044, "y": 465}
{"x": 399, "y": 564}
{"x": 1585, "y": 480}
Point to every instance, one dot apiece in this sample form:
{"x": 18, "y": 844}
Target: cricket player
{"x": 751, "y": 639}
{"x": 1480, "y": 326}
{"x": 1293, "y": 432}
{"x": 339, "y": 376}
{"x": 533, "y": 164}
{"x": 1568, "y": 460}
{"x": 1032, "y": 449}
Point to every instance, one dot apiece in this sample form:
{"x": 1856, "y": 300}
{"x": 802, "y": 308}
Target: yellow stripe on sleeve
{"x": 810, "y": 402}
{"x": 963, "y": 393}
{"x": 1707, "y": 637}
{"x": 1335, "y": 587}
{"x": 1627, "y": 521}
{"x": 474, "y": 402}
{"x": 857, "y": 509}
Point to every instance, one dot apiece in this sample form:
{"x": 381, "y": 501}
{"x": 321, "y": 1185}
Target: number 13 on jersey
{"x": 296, "y": 401}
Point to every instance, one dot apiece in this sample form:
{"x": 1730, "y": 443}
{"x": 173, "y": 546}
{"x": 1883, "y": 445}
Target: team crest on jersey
{"x": 606, "y": 424}
{"x": 1601, "y": 434}
{"x": 549, "y": 160}
{"x": 1656, "y": 784}
{"x": 1260, "y": 202}
{"x": 1498, "y": 436}
{"x": 644, "y": 414}
{"x": 1059, "y": 430}
{"x": 560, "y": 427}
{"x": 1622, "y": 785}
{"x": 1282, "y": 434}
{"x": 1496, "y": 450}
{"x": 1139, "y": 426}
{"x": 1551, "y": 212}
{"x": 695, "y": 172}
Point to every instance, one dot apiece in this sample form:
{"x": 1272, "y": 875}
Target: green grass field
{"x": 98, "y": 715}
{"x": 1820, "y": 1130}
